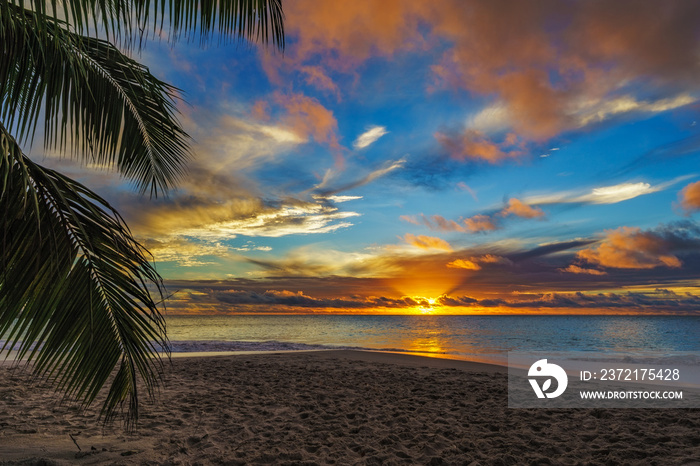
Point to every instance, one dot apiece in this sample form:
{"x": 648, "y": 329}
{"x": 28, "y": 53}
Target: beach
{"x": 335, "y": 407}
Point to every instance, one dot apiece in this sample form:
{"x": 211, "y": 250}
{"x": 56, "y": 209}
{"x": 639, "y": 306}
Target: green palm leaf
{"x": 76, "y": 289}
{"x": 73, "y": 290}
{"x": 95, "y": 100}
{"x": 130, "y": 21}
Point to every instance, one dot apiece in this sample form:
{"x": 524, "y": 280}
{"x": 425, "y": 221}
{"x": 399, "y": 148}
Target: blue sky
{"x": 435, "y": 157}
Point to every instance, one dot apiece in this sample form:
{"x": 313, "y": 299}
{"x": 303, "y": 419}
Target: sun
{"x": 429, "y": 308}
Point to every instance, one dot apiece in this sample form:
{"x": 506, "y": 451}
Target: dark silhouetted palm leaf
{"x": 78, "y": 294}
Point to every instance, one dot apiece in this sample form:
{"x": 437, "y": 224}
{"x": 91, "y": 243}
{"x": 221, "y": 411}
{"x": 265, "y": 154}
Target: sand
{"x": 337, "y": 407}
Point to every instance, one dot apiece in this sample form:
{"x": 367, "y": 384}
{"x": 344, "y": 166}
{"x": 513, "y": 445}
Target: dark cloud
{"x": 548, "y": 249}
{"x": 632, "y": 248}
{"x": 221, "y": 299}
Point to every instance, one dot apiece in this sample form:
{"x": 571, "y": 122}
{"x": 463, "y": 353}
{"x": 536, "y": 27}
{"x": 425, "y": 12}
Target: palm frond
{"x": 95, "y": 101}
{"x": 74, "y": 287}
{"x": 132, "y": 21}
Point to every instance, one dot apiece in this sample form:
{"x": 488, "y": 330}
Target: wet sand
{"x": 336, "y": 407}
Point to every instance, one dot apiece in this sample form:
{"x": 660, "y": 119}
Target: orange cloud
{"x": 317, "y": 77}
{"x": 690, "y": 197}
{"x": 520, "y": 209}
{"x": 473, "y": 262}
{"x": 475, "y": 145}
{"x": 480, "y": 223}
{"x": 436, "y": 222}
{"x": 427, "y": 242}
{"x": 410, "y": 219}
{"x": 493, "y": 259}
{"x": 260, "y": 111}
{"x": 307, "y": 117}
{"x": 631, "y": 248}
{"x": 476, "y": 223}
{"x": 545, "y": 61}
{"x": 446, "y": 225}
{"x": 576, "y": 269}
{"x": 347, "y": 33}
{"x": 463, "y": 264}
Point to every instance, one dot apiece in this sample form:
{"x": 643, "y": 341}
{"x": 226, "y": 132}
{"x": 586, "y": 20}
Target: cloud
{"x": 287, "y": 219}
{"x": 347, "y": 34}
{"x": 323, "y": 191}
{"x": 475, "y": 145}
{"x": 597, "y": 110}
{"x": 576, "y": 269}
{"x": 369, "y": 137}
{"x": 185, "y": 252}
{"x": 689, "y": 197}
{"x": 195, "y": 252}
{"x": 260, "y": 111}
{"x": 316, "y": 261}
{"x": 442, "y": 224}
{"x": 212, "y": 213}
{"x": 473, "y": 262}
{"x": 659, "y": 301}
{"x": 317, "y": 77}
{"x": 520, "y": 209}
{"x": 339, "y": 199}
{"x": 228, "y": 143}
{"x": 491, "y": 119}
{"x": 465, "y": 187}
{"x": 604, "y": 194}
{"x": 617, "y": 193}
{"x": 219, "y": 199}
{"x": 475, "y": 224}
{"x": 307, "y": 118}
{"x": 493, "y": 259}
{"x": 505, "y": 268}
{"x": 632, "y": 248}
{"x": 463, "y": 264}
{"x": 272, "y": 299}
{"x": 549, "y": 67}
{"x": 300, "y": 296}
{"x": 427, "y": 242}
{"x": 479, "y": 223}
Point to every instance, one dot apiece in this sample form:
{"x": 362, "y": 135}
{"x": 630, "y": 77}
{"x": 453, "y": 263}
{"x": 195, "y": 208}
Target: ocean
{"x": 460, "y": 337}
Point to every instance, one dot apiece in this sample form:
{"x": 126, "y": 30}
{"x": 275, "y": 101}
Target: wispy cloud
{"x": 323, "y": 189}
{"x": 298, "y": 218}
{"x": 427, "y": 242}
{"x": 604, "y": 194}
{"x": 186, "y": 252}
{"x": 480, "y": 222}
{"x": 490, "y": 119}
{"x": 465, "y": 187}
{"x": 369, "y": 137}
{"x": 593, "y": 111}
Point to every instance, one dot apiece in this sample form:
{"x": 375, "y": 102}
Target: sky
{"x": 447, "y": 157}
